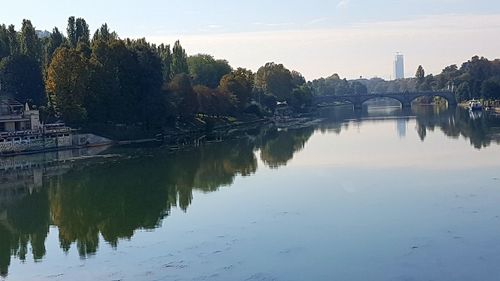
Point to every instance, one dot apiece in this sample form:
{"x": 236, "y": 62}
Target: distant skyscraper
{"x": 399, "y": 66}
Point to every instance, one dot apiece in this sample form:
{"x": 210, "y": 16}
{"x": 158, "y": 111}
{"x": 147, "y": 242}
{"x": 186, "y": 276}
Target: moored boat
{"x": 475, "y": 105}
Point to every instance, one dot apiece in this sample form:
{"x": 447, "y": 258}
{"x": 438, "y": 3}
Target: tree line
{"x": 103, "y": 79}
{"x": 86, "y": 79}
{"x": 478, "y": 78}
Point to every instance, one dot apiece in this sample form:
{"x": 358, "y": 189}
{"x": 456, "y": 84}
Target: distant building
{"x": 42, "y": 34}
{"x": 399, "y": 66}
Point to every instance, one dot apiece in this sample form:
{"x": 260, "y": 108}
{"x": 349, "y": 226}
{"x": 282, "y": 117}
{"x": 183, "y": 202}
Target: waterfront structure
{"x": 399, "y": 66}
{"x": 21, "y": 130}
{"x": 16, "y": 117}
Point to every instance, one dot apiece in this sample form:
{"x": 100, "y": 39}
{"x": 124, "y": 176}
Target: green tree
{"x": 476, "y": 70}
{"x": 297, "y": 79}
{"x": 71, "y": 32}
{"x": 179, "y": 60}
{"x": 420, "y": 74}
{"x": 21, "y": 78}
{"x": 78, "y": 31}
{"x": 359, "y": 88}
{"x": 213, "y": 101}
{"x": 151, "y": 108}
{"x": 13, "y": 40}
{"x": 343, "y": 88}
{"x": 274, "y": 79}
{"x": 104, "y": 34}
{"x": 113, "y": 83}
{"x": 240, "y": 84}
{"x": 181, "y": 94}
{"x": 4, "y": 42}
{"x": 301, "y": 97}
{"x": 490, "y": 89}
{"x": 30, "y": 45}
{"x": 55, "y": 40}
{"x": 67, "y": 84}
{"x": 206, "y": 70}
{"x": 463, "y": 92}
{"x": 166, "y": 61}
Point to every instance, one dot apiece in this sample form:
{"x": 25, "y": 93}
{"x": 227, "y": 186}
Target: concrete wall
{"x": 90, "y": 139}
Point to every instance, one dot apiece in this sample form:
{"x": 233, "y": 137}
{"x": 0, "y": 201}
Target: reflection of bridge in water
{"x": 405, "y": 98}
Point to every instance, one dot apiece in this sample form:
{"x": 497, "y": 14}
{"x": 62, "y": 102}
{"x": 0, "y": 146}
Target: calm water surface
{"x": 375, "y": 195}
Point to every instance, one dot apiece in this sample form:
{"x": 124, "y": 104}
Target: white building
{"x": 399, "y": 66}
{"x": 15, "y": 117}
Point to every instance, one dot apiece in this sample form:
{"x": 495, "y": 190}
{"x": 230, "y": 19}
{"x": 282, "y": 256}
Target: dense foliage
{"x": 102, "y": 79}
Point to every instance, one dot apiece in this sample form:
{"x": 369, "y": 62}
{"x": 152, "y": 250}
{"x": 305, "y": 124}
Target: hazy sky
{"x": 316, "y": 37}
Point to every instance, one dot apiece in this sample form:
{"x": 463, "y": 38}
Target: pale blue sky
{"x": 356, "y": 37}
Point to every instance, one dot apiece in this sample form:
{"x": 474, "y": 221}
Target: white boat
{"x": 475, "y": 105}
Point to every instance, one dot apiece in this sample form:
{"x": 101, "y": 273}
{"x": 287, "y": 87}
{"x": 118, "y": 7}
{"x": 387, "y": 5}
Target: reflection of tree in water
{"x": 279, "y": 146}
{"x": 115, "y": 198}
{"x": 456, "y": 122}
{"x": 26, "y": 223}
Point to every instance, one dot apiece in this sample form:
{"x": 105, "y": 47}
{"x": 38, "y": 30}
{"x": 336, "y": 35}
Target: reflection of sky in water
{"x": 363, "y": 204}
{"x": 377, "y": 144}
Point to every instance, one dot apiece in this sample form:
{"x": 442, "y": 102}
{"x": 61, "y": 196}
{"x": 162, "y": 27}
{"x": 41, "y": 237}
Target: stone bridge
{"x": 405, "y": 98}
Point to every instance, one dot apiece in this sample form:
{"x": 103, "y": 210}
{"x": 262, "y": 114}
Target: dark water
{"x": 382, "y": 194}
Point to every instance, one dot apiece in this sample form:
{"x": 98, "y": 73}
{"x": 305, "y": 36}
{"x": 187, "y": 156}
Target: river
{"x": 380, "y": 194}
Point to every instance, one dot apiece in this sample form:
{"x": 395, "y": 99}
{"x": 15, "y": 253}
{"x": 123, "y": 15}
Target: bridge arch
{"x": 450, "y": 99}
{"x": 401, "y": 100}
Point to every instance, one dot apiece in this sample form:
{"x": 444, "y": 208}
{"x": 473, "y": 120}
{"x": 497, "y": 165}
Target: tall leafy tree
{"x": 78, "y": 31}
{"x": 274, "y": 79}
{"x": 55, "y": 40}
{"x": 182, "y": 95}
{"x": 420, "y": 74}
{"x": 166, "y": 61}
{"x": 67, "y": 83}
{"x": 206, "y": 70}
{"x": 104, "y": 34}
{"x": 150, "y": 107}
{"x": 297, "y": 79}
{"x": 4, "y": 42}
{"x": 30, "y": 44}
{"x": 115, "y": 87}
{"x": 13, "y": 40}
{"x": 21, "y": 78}
{"x": 71, "y": 31}
{"x": 179, "y": 60}
{"x": 239, "y": 83}
{"x": 82, "y": 31}
{"x": 490, "y": 89}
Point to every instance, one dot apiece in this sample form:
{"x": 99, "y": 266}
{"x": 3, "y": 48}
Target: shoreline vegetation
{"x": 130, "y": 89}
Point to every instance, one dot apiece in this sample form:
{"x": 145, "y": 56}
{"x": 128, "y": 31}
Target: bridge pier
{"x": 358, "y": 106}
{"x": 406, "y": 105}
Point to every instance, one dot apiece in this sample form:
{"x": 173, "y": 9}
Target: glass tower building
{"x": 399, "y": 66}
